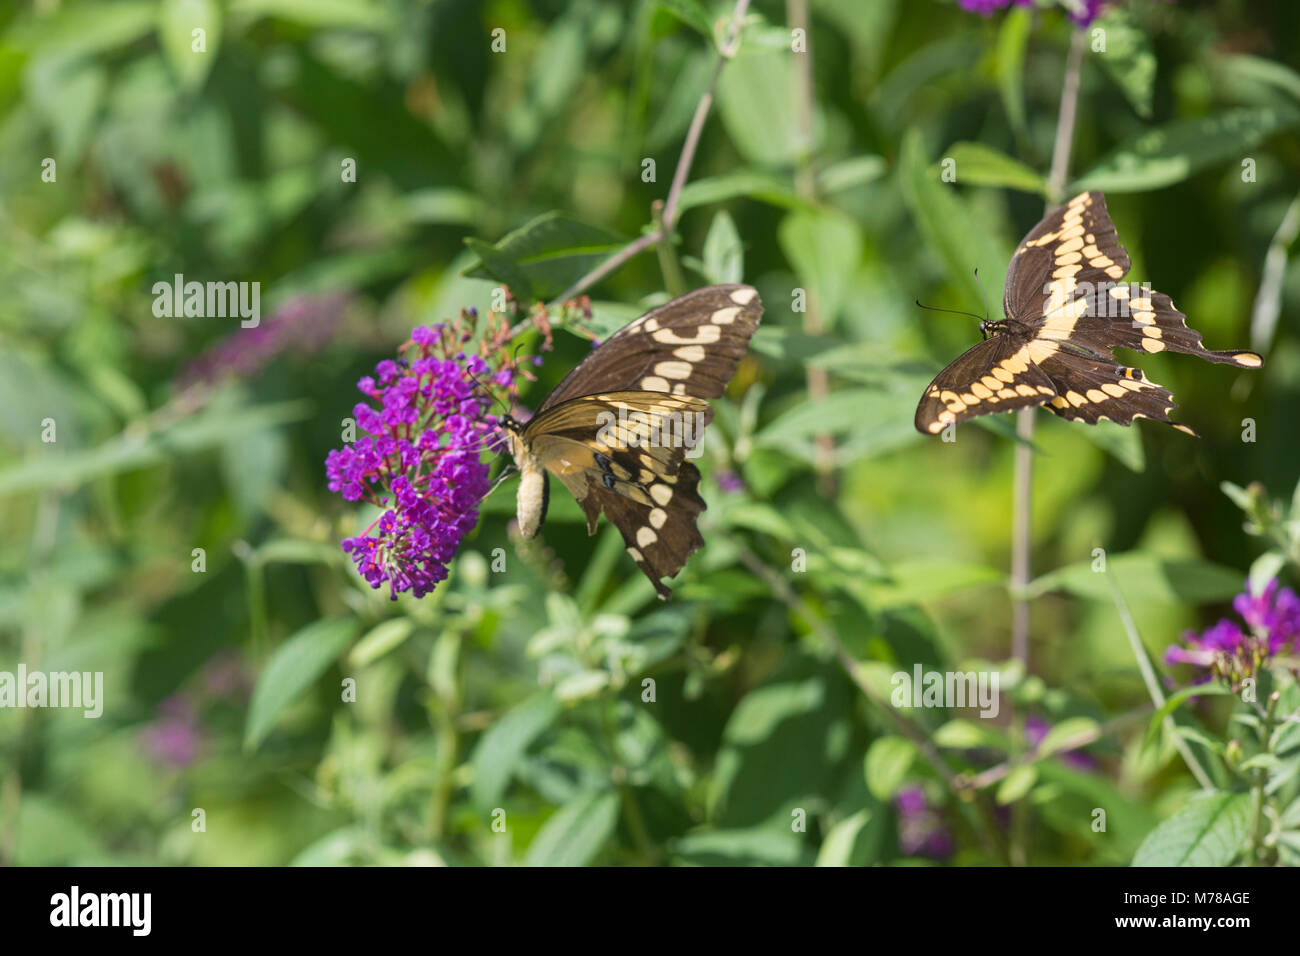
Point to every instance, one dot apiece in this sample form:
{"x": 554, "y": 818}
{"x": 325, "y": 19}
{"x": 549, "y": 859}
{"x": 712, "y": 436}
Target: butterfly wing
{"x": 689, "y": 346}
{"x": 1065, "y": 281}
{"x": 1092, "y": 389}
{"x": 624, "y": 453}
{"x": 1073, "y": 250}
{"x": 997, "y": 375}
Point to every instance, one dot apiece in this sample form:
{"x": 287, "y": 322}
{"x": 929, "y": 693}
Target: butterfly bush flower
{"x": 175, "y": 739}
{"x": 921, "y": 831}
{"x": 1082, "y": 12}
{"x": 304, "y": 324}
{"x": 1230, "y": 650}
{"x": 421, "y": 458}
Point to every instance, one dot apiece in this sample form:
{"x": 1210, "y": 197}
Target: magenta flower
{"x": 1230, "y": 652}
{"x": 175, "y": 738}
{"x": 986, "y": 8}
{"x": 921, "y": 831}
{"x": 730, "y": 482}
{"x": 304, "y": 324}
{"x": 421, "y": 458}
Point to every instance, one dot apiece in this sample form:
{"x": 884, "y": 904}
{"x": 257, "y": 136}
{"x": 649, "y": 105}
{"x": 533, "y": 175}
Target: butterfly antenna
{"x": 984, "y": 293}
{"x": 930, "y": 308}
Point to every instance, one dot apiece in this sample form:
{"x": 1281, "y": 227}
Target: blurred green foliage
{"x": 502, "y": 719}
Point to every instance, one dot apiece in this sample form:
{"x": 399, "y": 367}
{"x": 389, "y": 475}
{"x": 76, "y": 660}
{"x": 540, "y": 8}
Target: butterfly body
{"x": 618, "y": 429}
{"x": 1066, "y": 311}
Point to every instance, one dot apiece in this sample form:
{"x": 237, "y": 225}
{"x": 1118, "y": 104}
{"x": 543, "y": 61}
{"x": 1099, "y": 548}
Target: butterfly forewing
{"x": 995, "y": 376}
{"x": 689, "y": 346}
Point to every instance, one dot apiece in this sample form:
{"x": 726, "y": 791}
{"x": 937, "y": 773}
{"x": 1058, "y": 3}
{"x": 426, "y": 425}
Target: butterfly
{"x": 1067, "y": 310}
{"x": 618, "y": 429}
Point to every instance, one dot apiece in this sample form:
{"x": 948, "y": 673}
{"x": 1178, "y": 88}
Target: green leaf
{"x": 689, "y": 12}
{"x": 381, "y": 639}
{"x": 317, "y": 14}
{"x": 502, "y": 746}
{"x": 1171, "y": 153}
{"x": 876, "y": 416}
{"x": 1145, "y": 577}
{"x": 1065, "y": 731}
{"x": 544, "y": 256}
{"x": 1016, "y": 784}
{"x": 1176, "y": 700}
{"x": 749, "y": 184}
{"x": 1237, "y": 70}
{"x": 980, "y": 165}
{"x": 1264, "y": 569}
{"x": 922, "y": 579}
{"x": 798, "y": 722}
{"x": 1009, "y": 65}
{"x": 724, "y": 256}
{"x": 1209, "y": 831}
{"x": 887, "y": 763}
{"x": 840, "y": 846}
{"x": 962, "y": 734}
{"x": 177, "y": 21}
{"x": 68, "y": 470}
{"x": 1128, "y": 59}
{"x": 758, "y": 846}
{"x": 961, "y": 239}
{"x": 825, "y": 249}
{"x": 294, "y": 666}
{"x": 1121, "y": 442}
{"x": 574, "y": 834}
{"x": 757, "y": 107}
{"x": 851, "y": 173}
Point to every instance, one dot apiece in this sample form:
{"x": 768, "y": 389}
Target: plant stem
{"x": 1153, "y": 685}
{"x": 1023, "y": 483}
{"x": 805, "y": 186}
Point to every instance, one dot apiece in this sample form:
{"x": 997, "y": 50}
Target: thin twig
{"x": 805, "y": 185}
{"x": 1023, "y": 482}
{"x": 670, "y": 212}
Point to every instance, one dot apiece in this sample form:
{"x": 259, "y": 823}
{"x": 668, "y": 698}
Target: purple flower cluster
{"x": 1082, "y": 12}
{"x": 175, "y": 738}
{"x": 921, "y": 831}
{"x": 303, "y": 324}
{"x": 1230, "y": 651}
{"x": 986, "y": 8}
{"x": 421, "y": 458}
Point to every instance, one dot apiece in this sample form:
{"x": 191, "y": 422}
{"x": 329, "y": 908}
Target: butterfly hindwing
{"x": 1093, "y": 390}
{"x": 997, "y": 375}
{"x": 689, "y": 346}
{"x": 624, "y": 454}
{"x": 1131, "y": 316}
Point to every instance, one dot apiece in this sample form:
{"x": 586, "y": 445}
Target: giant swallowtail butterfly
{"x": 1066, "y": 311}
{"x": 617, "y": 429}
